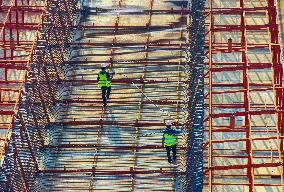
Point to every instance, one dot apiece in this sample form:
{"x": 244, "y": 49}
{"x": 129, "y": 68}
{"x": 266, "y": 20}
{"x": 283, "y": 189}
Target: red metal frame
{"x": 12, "y": 42}
{"x": 224, "y": 133}
{"x": 218, "y": 133}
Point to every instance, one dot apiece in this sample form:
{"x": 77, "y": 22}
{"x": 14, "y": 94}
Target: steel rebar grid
{"x": 244, "y": 96}
{"x": 35, "y": 126}
{"x": 194, "y": 93}
{"x": 13, "y": 49}
{"x": 120, "y": 125}
{"x": 32, "y": 108}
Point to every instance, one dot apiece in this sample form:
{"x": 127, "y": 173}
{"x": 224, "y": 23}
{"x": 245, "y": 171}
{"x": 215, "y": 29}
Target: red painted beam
{"x": 241, "y": 85}
{"x": 239, "y": 27}
{"x": 238, "y": 68}
{"x": 142, "y": 62}
{"x": 30, "y": 9}
{"x": 104, "y": 122}
{"x": 123, "y": 81}
{"x": 12, "y": 61}
{"x": 82, "y": 100}
{"x": 113, "y": 172}
{"x": 23, "y": 26}
{"x": 116, "y": 147}
{"x": 145, "y": 11}
{"x": 13, "y": 66}
{"x": 244, "y": 166}
{"x": 2, "y": 112}
{"x": 114, "y": 44}
{"x": 246, "y": 139}
{"x": 260, "y": 112}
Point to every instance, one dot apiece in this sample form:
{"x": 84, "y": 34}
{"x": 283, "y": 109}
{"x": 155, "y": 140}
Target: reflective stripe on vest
{"x": 169, "y": 140}
{"x": 103, "y": 82}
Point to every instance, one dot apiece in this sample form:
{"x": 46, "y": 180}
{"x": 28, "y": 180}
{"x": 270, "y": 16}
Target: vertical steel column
{"x": 277, "y": 68}
{"x": 246, "y": 97}
{"x": 210, "y": 52}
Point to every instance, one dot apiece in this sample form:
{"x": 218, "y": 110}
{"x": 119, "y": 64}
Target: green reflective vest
{"x": 103, "y": 82}
{"x": 170, "y": 140}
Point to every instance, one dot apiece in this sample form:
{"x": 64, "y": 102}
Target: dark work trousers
{"x": 105, "y": 94}
{"x": 172, "y": 148}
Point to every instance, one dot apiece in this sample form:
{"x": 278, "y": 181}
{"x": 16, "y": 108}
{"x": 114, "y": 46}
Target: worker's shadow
{"x": 112, "y": 131}
{"x": 177, "y": 179}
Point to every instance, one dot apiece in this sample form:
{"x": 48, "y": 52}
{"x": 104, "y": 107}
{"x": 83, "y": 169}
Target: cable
{"x": 160, "y": 109}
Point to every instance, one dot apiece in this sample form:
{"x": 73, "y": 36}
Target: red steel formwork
{"x": 32, "y": 36}
{"x": 244, "y": 97}
{"x": 20, "y": 21}
{"x": 19, "y": 29}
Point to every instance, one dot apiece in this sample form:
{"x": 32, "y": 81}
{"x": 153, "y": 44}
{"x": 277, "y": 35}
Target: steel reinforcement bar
{"x": 39, "y": 105}
{"x": 194, "y": 92}
{"x": 244, "y": 97}
{"x": 35, "y": 107}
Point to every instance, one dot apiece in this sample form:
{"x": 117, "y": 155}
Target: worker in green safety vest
{"x": 104, "y": 82}
{"x": 170, "y": 141}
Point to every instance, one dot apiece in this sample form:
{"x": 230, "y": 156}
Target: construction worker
{"x": 104, "y": 82}
{"x": 169, "y": 141}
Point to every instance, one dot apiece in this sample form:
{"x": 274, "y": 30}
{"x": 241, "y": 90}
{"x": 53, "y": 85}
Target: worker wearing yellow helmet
{"x": 104, "y": 82}
{"x": 170, "y": 141}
